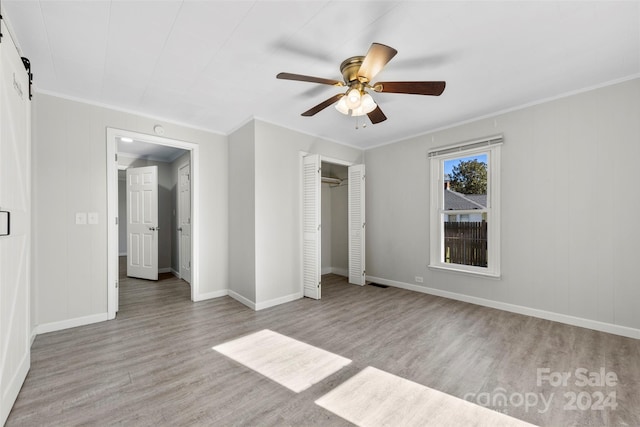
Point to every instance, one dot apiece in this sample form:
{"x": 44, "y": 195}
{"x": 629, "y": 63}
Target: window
{"x": 465, "y": 207}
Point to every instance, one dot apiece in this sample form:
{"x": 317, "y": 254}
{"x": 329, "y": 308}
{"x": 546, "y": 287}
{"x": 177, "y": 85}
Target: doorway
{"x": 334, "y": 213}
{"x": 176, "y": 250}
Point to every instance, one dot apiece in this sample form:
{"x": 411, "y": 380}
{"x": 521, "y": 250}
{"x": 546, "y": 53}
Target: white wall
{"x": 69, "y": 156}
{"x": 278, "y": 204}
{"x": 325, "y": 235}
{"x": 242, "y": 214}
{"x": 569, "y": 172}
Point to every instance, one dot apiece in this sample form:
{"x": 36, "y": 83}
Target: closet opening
{"x": 334, "y": 201}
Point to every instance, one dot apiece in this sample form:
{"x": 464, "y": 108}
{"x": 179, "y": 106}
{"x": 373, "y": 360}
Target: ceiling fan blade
{"x": 377, "y": 57}
{"x": 311, "y": 79}
{"x": 377, "y": 116}
{"x": 322, "y": 105}
{"x": 414, "y": 88}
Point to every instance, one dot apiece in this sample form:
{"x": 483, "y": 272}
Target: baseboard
{"x": 278, "y": 301}
{"x": 176, "y": 273}
{"x": 164, "y": 270}
{"x": 211, "y": 295}
{"x": 71, "y": 323}
{"x": 326, "y": 270}
{"x": 34, "y": 333}
{"x": 10, "y": 391}
{"x": 236, "y": 296}
{"x": 519, "y": 309}
{"x": 340, "y": 271}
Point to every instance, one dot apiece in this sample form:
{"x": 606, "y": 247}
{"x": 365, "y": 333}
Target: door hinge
{"x": 116, "y": 156}
{"x": 0, "y": 29}
{"x": 319, "y": 283}
{"x": 27, "y": 65}
{"x": 364, "y": 272}
{"x": 116, "y": 220}
{"x": 116, "y": 284}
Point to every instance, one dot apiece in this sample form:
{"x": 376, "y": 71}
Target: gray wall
{"x": 264, "y": 208}
{"x": 569, "y": 240}
{"x": 278, "y": 206}
{"x": 326, "y": 215}
{"x": 340, "y": 229}
{"x": 69, "y": 175}
{"x": 335, "y": 229}
{"x": 242, "y": 212}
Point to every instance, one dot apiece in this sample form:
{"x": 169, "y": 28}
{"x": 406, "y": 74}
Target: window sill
{"x": 466, "y": 272}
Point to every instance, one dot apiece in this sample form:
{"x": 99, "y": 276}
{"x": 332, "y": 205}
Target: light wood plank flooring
{"x": 154, "y": 364}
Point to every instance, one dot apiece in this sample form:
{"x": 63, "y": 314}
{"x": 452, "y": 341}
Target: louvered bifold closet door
{"x": 356, "y": 225}
{"x": 311, "y": 226}
{"x": 15, "y": 228}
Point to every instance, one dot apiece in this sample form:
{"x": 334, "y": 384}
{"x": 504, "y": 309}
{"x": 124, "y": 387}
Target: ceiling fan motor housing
{"x": 350, "y": 67}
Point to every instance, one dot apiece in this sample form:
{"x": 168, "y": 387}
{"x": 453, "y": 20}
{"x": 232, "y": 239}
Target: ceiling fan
{"x": 358, "y": 72}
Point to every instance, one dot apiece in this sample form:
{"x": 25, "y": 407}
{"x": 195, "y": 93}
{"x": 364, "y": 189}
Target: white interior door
{"x": 356, "y": 225}
{"x": 184, "y": 221}
{"x": 15, "y": 224}
{"x": 142, "y": 222}
{"x": 311, "y": 226}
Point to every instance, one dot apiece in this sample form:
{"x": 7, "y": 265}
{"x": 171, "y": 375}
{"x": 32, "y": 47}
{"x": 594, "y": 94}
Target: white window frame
{"x": 490, "y": 146}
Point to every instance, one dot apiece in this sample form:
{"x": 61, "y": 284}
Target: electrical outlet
{"x": 92, "y": 217}
{"x": 81, "y": 218}
{"x": 419, "y": 279}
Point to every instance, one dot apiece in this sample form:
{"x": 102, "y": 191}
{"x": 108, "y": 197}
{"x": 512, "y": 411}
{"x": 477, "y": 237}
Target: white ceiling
{"x": 212, "y": 64}
{"x": 145, "y": 150}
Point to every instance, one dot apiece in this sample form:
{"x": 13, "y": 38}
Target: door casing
{"x": 112, "y": 210}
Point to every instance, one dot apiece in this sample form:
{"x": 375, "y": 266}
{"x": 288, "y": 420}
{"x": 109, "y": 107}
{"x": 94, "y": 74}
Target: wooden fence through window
{"x": 465, "y": 243}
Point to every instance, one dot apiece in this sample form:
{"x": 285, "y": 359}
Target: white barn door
{"x": 356, "y": 225}
{"x": 184, "y": 221}
{"x": 311, "y": 226}
{"x": 15, "y": 223}
{"x": 142, "y": 222}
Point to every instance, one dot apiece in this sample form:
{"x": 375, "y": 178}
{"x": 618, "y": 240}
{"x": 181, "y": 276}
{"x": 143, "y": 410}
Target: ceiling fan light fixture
{"x": 356, "y": 112}
{"x": 367, "y": 103}
{"x": 342, "y": 106}
{"x": 353, "y": 98}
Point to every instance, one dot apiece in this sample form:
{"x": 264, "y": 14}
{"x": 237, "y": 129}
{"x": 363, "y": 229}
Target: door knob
{"x": 179, "y": 228}
{"x": 152, "y": 228}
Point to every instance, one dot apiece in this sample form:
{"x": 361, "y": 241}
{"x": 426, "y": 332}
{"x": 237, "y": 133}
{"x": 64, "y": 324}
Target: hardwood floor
{"x": 153, "y": 364}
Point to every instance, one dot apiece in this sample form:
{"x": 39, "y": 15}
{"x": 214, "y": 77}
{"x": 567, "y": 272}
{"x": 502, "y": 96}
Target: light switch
{"x": 81, "y": 218}
{"x": 93, "y": 217}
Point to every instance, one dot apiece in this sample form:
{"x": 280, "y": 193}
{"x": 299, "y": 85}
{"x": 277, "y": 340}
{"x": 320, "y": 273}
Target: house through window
{"x": 465, "y": 207}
